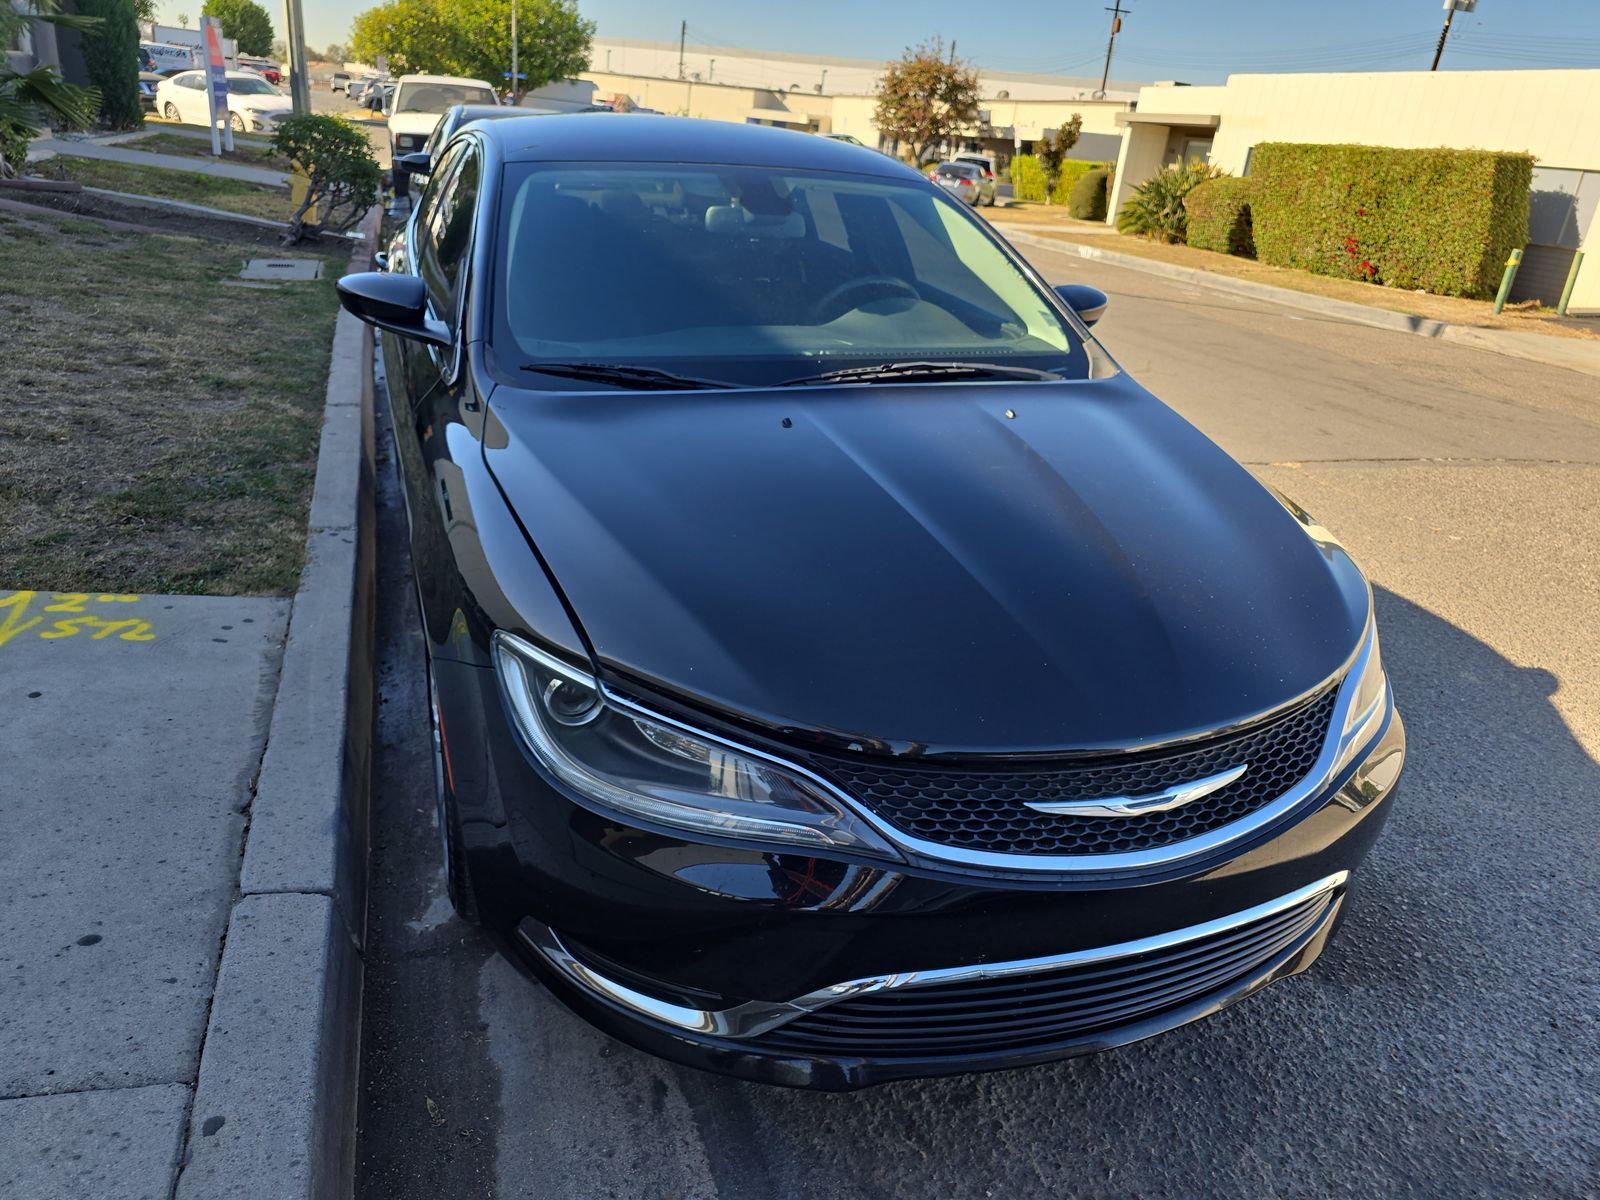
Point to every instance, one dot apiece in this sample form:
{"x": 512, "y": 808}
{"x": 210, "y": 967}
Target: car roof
{"x": 629, "y": 137}
{"x": 445, "y": 79}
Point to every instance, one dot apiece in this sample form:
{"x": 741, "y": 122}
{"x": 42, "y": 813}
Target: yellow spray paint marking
{"x": 15, "y": 618}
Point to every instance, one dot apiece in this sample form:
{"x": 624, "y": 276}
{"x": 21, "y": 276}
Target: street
{"x": 1445, "y": 1045}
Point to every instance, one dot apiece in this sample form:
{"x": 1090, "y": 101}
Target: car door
{"x": 437, "y": 411}
{"x": 194, "y": 106}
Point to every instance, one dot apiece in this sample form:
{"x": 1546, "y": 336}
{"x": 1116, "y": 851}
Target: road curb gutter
{"x": 1573, "y": 354}
{"x": 275, "y": 1103}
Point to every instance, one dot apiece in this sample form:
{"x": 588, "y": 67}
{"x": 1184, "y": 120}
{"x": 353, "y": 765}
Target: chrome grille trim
{"x": 753, "y": 1019}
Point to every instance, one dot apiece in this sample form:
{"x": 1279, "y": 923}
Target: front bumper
{"x": 712, "y": 955}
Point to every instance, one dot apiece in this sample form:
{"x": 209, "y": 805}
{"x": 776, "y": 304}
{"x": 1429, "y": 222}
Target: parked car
{"x": 254, "y": 105}
{"x": 356, "y": 90}
{"x": 339, "y": 81}
{"x": 148, "y": 82}
{"x": 420, "y": 162}
{"x": 984, "y": 162}
{"x": 848, "y": 139}
{"x": 965, "y": 180}
{"x": 420, "y": 100}
{"x": 860, "y": 677}
{"x": 264, "y": 67}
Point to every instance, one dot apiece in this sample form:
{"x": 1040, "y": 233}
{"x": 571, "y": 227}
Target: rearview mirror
{"x": 398, "y": 303}
{"x": 1088, "y": 302}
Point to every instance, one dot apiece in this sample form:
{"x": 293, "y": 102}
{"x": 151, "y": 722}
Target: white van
{"x": 168, "y": 57}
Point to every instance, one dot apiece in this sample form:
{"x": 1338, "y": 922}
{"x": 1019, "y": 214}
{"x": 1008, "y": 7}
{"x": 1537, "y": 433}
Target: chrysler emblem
{"x": 1136, "y": 806}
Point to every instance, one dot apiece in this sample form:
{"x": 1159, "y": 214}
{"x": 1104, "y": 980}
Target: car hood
{"x": 960, "y": 568}
{"x": 265, "y": 103}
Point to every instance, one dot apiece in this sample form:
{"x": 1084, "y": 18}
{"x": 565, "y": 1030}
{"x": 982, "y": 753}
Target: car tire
{"x": 237, "y": 122}
{"x": 169, "y": 110}
{"x": 458, "y": 878}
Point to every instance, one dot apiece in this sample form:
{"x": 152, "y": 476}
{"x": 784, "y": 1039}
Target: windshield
{"x": 758, "y": 276}
{"x": 251, "y": 87}
{"x": 436, "y": 97}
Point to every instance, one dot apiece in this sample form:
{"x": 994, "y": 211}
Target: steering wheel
{"x": 822, "y": 307}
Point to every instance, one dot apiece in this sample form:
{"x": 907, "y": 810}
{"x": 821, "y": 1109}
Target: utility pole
{"x": 1116, "y": 28}
{"x": 683, "y": 33}
{"x": 294, "y": 36}
{"x": 516, "y": 86}
{"x": 1451, "y": 7}
{"x": 953, "y": 46}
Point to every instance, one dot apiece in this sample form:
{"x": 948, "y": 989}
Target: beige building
{"x": 1552, "y": 114}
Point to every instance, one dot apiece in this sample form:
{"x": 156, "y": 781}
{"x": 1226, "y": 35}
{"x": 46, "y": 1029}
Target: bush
{"x": 337, "y": 159}
{"x": 1156, "y": 209}
{"x": 1219, "y": 216}
{"x": 1441, "y": 220}
{"x": 1088, "y": 199}
{"x": 1027, "y": 178}
{"x": 111, "y": 57}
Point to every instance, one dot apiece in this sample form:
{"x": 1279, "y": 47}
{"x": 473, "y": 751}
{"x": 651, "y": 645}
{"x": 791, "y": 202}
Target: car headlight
{"x": 1369, "y": 701}
{"x": 635, "y": 763}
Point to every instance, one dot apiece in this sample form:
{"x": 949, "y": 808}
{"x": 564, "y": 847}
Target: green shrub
{"x": 1441, "y": 220}
{"x": 337, "y": 160}
{"x": 111, "y": 57}
{"x": 1027, "y": 178}
{"x": 1219, "y": 216}
{"x": 1156, "y": 209}
{"x": 1088, "y": 199}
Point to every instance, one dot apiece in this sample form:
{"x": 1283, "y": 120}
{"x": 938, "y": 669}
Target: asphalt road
{"x": 1445, "y": 1046}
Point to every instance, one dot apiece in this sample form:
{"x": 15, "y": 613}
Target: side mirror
{"x": 1088, "y": 302}
{"x": 398, "y": 303}
{"x": 419, "y": 163}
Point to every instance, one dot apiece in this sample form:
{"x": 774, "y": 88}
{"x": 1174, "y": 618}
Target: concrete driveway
{"x": 1446, "y": 1045}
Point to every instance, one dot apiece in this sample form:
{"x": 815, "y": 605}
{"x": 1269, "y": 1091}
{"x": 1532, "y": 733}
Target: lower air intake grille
{"x": 1061, "y": 1004}
{"x": 986, "y": 809}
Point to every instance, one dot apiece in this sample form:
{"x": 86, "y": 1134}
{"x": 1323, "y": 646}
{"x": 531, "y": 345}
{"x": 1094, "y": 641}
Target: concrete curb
{"x": 1571, "y": 353}
{"x": 275, "y": 1104}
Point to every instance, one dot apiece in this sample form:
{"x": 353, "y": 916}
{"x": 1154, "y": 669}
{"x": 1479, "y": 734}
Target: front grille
{"x": 1053, "y": 1006}
{"x": 986, "y": 809}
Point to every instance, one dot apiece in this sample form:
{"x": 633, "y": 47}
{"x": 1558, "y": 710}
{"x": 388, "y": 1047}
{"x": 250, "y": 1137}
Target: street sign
{"x": 507, "y": 74}
{"x": 216, "y": 81}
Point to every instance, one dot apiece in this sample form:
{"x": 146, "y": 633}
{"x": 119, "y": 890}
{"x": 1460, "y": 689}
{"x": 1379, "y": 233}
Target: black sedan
{"x": 842, "y": 670}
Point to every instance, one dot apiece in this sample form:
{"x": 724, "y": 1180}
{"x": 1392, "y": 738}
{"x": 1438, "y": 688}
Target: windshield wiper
{"x": 644, "y": 378}
{"x": 893, "y": 372}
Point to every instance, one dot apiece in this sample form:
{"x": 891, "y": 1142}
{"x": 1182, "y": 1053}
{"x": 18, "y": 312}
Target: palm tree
{"x": 29, "y": 100}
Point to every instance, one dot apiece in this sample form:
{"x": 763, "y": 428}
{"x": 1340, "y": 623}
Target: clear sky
{"x": 1198, "y": 41}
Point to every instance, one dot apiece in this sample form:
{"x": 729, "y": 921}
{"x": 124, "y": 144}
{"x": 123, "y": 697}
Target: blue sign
{"x": 507, "y": 74}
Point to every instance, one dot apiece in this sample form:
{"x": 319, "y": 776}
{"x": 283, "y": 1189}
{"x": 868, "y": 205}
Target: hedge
{"x": 1441, "y": 220}
{"x": 111, "y": 57}
{"x": 1027, "y": 178}
{"x": 1088, "y": 199}
{"x": 1220, "y": 216}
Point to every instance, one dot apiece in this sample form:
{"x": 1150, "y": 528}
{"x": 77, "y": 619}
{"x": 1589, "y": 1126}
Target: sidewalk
{"x": 134, "y": 731}
{"x": 45, "y": 148}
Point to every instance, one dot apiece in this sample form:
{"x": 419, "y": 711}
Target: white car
{"x": 420, "y": 100}
{"x": 254, "y": 105}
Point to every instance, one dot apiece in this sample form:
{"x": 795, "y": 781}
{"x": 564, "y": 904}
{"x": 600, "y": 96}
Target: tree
{"x": 342, "y": 176}
{"x": 926, "y": 98}
{"x": 334, "y": 53}
{"x": 1053, "y": 151}
{"x": 473, "y": 38}
{"x": 183, "y": 20}
{"x": 29, "y": 100}
{"x": 245, "y": 21}
{"x": 111, "y": 57}
{"x": 145, "y": 12}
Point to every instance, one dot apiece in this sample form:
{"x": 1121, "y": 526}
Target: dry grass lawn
{"x": 1053, "y": 222}
{"x": 234, "y": 195}
{"x": 161, "y": 427}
